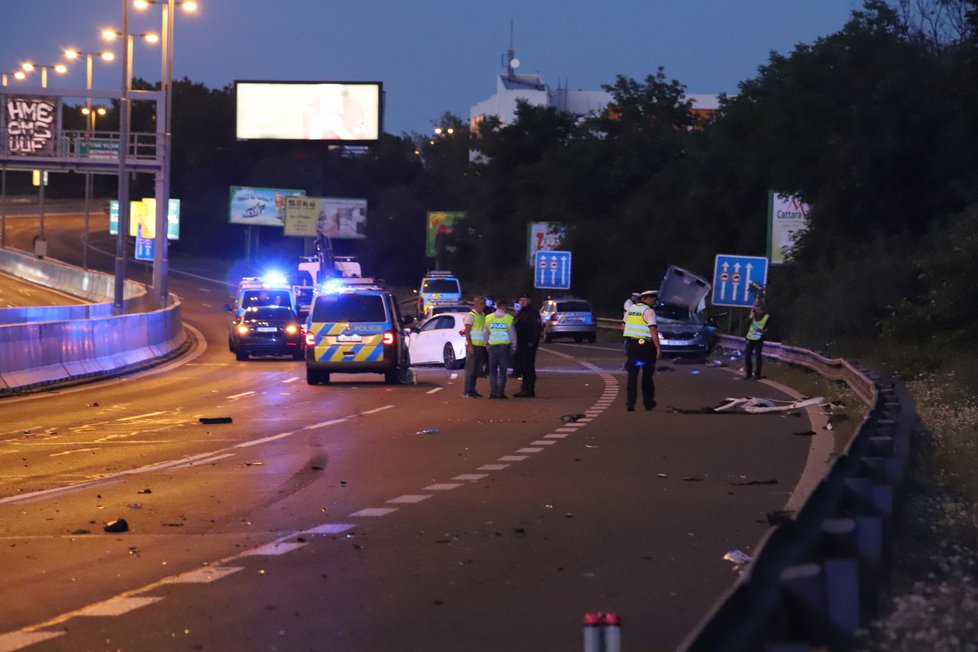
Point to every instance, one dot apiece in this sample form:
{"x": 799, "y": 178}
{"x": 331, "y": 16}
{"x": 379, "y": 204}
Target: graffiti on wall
{"x": 30, "y": 125}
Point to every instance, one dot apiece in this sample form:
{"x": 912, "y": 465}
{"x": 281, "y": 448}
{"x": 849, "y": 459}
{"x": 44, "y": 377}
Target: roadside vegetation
{"x": 875, "y": 127}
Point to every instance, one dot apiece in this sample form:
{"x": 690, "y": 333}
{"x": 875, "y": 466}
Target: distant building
{"x": 512, "y": 87}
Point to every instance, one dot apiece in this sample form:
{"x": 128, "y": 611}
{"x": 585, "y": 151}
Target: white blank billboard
{"x": 330, "y": 111}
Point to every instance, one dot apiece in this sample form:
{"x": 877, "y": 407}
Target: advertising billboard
{"x": 331, "y": 217}
{"x": 30, "y": 124}
{"x": 330, "y": 111}
{"x": 787, "y": 218}
{"x": 142, "y": 218}
{"x": 544, "y": 236}
{"x": 439, "y": 224}
{"x": 259, "y": 206}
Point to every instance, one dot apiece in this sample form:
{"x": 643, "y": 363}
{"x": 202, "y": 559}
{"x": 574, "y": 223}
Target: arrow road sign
{"x": 733, "y": 279}
{"x": 552, "y": 270}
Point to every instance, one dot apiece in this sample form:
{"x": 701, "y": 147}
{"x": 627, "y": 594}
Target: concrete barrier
{"x": 44, "y": 346}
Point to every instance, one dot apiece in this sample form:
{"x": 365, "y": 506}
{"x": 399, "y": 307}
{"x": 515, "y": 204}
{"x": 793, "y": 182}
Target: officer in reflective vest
{"x": 642, "y": 349}
{"x": 755, "y": 341}
{"x": 500, "y": 344}
{"x": 475, "y": 345}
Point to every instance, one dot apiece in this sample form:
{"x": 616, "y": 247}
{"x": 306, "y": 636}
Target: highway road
{"x": 362, "y": 516}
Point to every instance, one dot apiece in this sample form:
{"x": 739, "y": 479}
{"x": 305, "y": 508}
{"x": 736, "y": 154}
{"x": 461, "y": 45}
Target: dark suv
{"x": 266, "y": 330}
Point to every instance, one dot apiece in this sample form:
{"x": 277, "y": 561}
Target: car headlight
{"x": 242, "y": 329}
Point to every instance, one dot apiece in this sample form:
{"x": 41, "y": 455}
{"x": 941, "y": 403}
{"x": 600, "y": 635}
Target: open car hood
{"x": 682, "y": 288}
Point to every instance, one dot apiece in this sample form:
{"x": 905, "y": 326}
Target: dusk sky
{"x": 432, "y": 56}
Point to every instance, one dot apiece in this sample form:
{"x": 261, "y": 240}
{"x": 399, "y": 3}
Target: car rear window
{"x": 266, "y": 298}
{"x": 441, "y": 285}
{"x": 270, "y": 313}
{"x": 573, "y": 306}
{"x": 349, "y": 307}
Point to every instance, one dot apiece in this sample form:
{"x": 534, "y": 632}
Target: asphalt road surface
{"x": 361, "y": 516}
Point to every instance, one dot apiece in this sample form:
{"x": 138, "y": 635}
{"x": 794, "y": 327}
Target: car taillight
{"x": 389, "y": 338}
{"x": 243, "y": 330}
{"x": 291, "y": 329}
{"x": 310, "y": 339}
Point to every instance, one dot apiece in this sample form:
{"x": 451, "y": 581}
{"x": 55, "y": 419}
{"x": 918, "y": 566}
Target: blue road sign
{"x": 144, "y": 246}
{"x": 552, "y": 270}
{"x": 735, "y": 279}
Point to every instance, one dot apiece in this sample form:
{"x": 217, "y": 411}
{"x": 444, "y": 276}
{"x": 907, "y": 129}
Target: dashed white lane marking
{"x": 435, "y": 390}
{"x": 281, "y": 435}
{"x": 273, "y": 549}
{"x": 375, "y": 511}
{"x": 529, "y": 449}
{"x": 453, "y": 376}
{"x": 323, "y": 424}
{"x": 409, "y": 499}
{"x": 557, "y": 435}
{"x": 492, "y": 467}
{"x": 512, "y": 458}
{"x": 290, "y": 380}
{"x": 117, "y": 607}
{"x": 206, "y": 460}
{"x": 566, "y": 429}
{"x": 581, "y": 422}
{"x": 329, "y": 528}
{"x": 203, "y": 575}
{"x": 442, "y": 486}
{"x": 543, "y": 442}
{"x": 77, "y": 450}
{"x": 471, "y": 476}
{"x": 380, "y": 409}
{"x": 20, "y": 640}
{"x": 142, "y": 416}
{"x": 241, "y": 395}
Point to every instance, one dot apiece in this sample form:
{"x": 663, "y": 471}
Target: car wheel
{"x": 578, "y": 338}
{"x": 448, "y": 355}
{"x": 241, "y": 355}
{"x": 230, "y": 345}
{"x": 316, "y": 377}
{"x": 592, "y": 338}
{"x": 392, "y": 377}
{"x": 299, "y": 354}
{"x": 548, "y": 338}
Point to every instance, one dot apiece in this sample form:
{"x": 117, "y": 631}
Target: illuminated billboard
{"x": 329, "y": 111}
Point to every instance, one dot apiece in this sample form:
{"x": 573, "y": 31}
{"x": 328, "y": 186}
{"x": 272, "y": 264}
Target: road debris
{"x": 427, "y": 431}
{"x": 571, "y": 418}
{"x": 215, "y": 420}
{"x": 118, "y": 525}
{"x": 145, "y": 491}
{"x": 737, "y": 557}
{"x": 749, "y": 483}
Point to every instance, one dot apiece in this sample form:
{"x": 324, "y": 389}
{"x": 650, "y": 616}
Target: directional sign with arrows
{"x": 735, "y": 279}
{"x": 552, "y": 270}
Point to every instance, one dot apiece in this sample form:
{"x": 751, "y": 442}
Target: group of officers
{"x": 497, "y": 336}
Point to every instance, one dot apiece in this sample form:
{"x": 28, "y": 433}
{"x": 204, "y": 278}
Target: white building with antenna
{"x": 511, "y": 87}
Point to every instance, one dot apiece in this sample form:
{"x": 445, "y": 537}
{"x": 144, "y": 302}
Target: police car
{"x": 271, "y": 289}
{"x": 355, "y": 326}
{"x": 438, "y": 287}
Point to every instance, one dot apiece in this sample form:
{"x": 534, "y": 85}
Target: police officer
{"x": 755, "y": 340}
{"x": 642, "y": 349}
{"x": 528, "y": 328}
{"x": 500, "y": 342}
{"x": 475, "y": 346}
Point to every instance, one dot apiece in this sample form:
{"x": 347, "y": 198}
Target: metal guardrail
{"x": 814, "y": 581}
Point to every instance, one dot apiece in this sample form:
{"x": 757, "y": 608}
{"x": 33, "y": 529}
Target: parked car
{"x": 439, "y": 339}
{"x": 266, "y": 330}
{"x": 442, "y": 308}
{"x": 568, "y": 317}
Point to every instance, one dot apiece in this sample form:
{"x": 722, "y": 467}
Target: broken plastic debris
{"x": 737, "y": 557}
{"x": 754, "y": 405}
{"x": 215, "y": 420}
{"x": 134, "y": 506}
{"x": 828, "y": 426}
{"x": 254, "y": 464}
{"x": 661, "y": 475}
{"x": 145, "y": 491}
{"x": 571, "y": 418}
{"x": 118, "y": 525}
{"x": 427, "y": 431}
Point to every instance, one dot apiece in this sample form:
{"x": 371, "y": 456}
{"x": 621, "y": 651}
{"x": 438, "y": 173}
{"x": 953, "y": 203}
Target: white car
{"x": 439, "y": 339}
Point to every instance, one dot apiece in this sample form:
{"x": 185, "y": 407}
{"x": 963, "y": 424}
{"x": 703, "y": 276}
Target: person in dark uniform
{"x": 528, "y": 328}
{"x": 642, "y": 349}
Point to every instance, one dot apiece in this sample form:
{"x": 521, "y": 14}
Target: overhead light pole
{"x": 161, "y": 244}
{"x": 105, "y": 55}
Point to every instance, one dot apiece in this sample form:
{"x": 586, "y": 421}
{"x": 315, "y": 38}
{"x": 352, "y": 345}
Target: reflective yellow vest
{"x": 635, "y": 325}
{"x": 499, "y": 328}
{"x": 757, "y": 326}
{"x": 478, "y": 331}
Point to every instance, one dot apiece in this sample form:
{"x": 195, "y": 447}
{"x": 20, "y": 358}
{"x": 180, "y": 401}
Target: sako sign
{"x": 330, "y": 217}
{"x": 30, "y": 125}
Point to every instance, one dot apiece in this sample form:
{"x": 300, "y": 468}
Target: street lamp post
{"x": 72, "y": 53}
{"x": 40, "y": 246}
{"x": 161, "y": 244}
{"x": 19, "y": 75}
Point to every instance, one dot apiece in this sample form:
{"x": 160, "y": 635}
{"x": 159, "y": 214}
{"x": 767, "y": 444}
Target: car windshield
{"x": 270, "y": 313}
{"x": 349, "y": 307}
{"x": 674, "y": 312}
{"x": 441, "y": 286}
{"x": 573, "y": 306}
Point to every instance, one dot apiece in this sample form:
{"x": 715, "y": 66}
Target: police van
{"x": 255, "y": 291}
{"x": 355, "y": 326}
{"x": 438, "y": 287}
